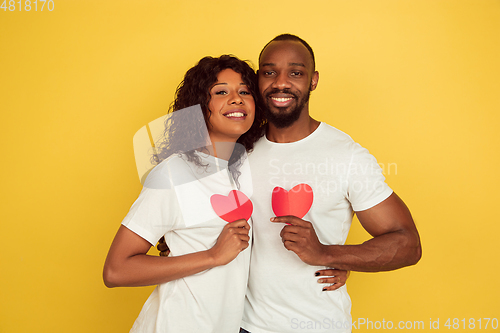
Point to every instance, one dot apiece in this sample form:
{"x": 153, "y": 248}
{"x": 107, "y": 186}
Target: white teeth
{"x": 235, "y": 114}
{"x": 281, "y": 99}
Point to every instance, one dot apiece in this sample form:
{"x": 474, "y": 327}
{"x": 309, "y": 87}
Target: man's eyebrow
{"x": 289, "y": 64}
{"x": 296, "y": 64}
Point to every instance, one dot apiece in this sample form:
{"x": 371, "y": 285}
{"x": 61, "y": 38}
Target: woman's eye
{"x": 244, "y": 92}
{"x": 220, "y": 92}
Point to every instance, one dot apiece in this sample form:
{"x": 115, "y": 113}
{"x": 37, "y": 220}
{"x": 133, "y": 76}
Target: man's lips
{"x": 281, "y": 101}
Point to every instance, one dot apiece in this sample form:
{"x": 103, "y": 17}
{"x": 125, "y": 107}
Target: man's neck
{"x": 299, "y": 130}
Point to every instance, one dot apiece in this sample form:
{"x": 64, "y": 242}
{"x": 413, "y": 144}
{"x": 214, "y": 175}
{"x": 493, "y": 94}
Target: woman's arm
{"x": 128, "y": 265}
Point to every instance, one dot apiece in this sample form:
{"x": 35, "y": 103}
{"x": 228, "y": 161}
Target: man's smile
{"x": 281, "y": 99}
{"x": 281, "y": 102}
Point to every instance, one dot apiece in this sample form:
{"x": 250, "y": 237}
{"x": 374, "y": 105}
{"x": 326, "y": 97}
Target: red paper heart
{"x": 296, "y": 202}
{"x": 235, "y": 206}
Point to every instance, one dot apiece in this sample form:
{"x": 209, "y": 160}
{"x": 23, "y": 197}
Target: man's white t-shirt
{"x": 175, "y": 203}
{"x": 283, "y": 295}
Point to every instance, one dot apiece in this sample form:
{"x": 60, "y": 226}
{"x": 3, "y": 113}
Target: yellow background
{"x": 414, "y": 81}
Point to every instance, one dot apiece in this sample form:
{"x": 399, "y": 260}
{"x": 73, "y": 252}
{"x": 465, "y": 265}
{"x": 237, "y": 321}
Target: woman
{"x": 201, "y": 285}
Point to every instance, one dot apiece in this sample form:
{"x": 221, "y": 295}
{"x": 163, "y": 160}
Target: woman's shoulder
{"x": 170, "y": 172}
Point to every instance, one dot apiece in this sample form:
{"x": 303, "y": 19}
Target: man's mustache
{"x": 280, "y": 91}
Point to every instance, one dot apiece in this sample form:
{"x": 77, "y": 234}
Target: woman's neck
{"x": 222, "y": 150}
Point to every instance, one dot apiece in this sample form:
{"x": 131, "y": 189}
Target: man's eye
{"x": 268, "y": 73}
{"x": 296, "y": 73}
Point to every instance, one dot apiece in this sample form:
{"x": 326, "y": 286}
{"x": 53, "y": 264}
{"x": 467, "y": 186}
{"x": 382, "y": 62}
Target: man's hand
{"x": 300, "y": 237}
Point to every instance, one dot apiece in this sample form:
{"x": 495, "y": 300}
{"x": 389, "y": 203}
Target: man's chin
{"x": 279, "y": 111}
{"x": 282, "y": 117}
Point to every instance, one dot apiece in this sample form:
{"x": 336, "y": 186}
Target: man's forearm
{"x": 386, "y": 252}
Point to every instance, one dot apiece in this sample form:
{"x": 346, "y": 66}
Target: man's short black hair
{"x": 284, "y": 37}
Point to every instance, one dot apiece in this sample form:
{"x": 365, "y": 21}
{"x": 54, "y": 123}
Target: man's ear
{"x": 314, "y": 80}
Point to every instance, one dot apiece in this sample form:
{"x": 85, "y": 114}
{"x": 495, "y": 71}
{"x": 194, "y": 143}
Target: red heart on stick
{"x": 235, "y": 206}
{"x": 296, "y": 202}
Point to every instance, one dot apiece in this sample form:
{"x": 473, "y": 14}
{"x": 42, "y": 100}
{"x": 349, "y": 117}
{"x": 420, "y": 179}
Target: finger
{"x": 291, "y": 220}
{"x": 333, "y": 283}
{"x": 244, "y": 245}
{"x": 291, "y": 237}
{"x": 293, "y": 229}
{"x": 290, "y": 246}
{"x": 245, "y": 238}
{"x": 331, "y": 272}
{"x": 290, "y": 229}
{"x": 331, "y": 280}
{"x": 246, "y": 226}
{"x": 325, "y": 272}
{"x": 332, "y": 287}
{"x": 240, "y": 224}
{"x": 244, "y": 222}
{"x": 237, "y": 224}
{"x": 240, "y": 231}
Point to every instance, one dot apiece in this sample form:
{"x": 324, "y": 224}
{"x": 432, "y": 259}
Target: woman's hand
{"x": 232, "y": 240}
{"x": 336, "y": 278}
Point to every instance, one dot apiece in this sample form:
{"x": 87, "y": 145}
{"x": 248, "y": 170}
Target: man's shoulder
{"x": 332, "y": 140}
{"x": 334, "y": 133}
{"x": 341, "y": 142}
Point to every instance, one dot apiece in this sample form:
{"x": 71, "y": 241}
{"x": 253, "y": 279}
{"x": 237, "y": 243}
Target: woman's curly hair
{"x": 195, "y": 89}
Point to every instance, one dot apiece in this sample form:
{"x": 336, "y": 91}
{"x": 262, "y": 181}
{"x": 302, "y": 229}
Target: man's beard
{"x": 282, "y": 118}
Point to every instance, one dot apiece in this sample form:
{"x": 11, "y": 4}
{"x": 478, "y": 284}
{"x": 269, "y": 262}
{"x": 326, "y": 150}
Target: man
{"x": 333, "y": 177}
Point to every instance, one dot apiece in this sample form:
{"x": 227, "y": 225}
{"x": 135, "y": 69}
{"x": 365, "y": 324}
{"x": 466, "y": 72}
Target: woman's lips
{"x": 236, "y": 115}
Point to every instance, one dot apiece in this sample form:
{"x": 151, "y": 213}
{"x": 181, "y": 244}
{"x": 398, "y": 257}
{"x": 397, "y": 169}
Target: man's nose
{"x": 281, "y": 82}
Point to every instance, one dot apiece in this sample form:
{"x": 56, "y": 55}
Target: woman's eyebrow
{"x": 225, "y": 83}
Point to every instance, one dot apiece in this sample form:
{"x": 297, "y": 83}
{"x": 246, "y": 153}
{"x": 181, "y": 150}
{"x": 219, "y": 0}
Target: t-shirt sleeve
{"x": 155, "y": 212}
{"x": 366, "y": 182}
